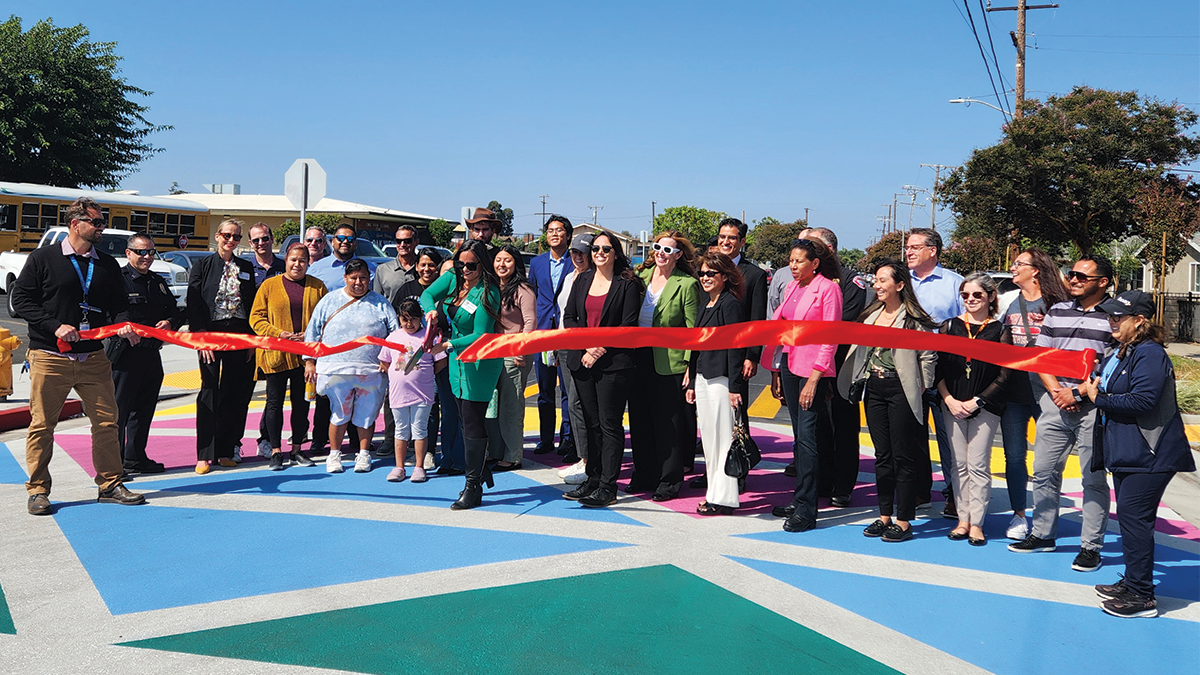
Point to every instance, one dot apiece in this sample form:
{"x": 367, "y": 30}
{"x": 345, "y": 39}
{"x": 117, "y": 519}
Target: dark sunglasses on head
{"x": 1073, "y": 274}
{"x": 665, "y": 249}
{"x": 261, "y": 240}
{"x": 707, "y": 274}
{"x": 343, "y": 238}
{"x": 229, "y": 237}
{"x": 468, "y": 266}
{"x": 144, "y": 251}
{"x": 976, "y": 295}
{"x": 597, "y": 249}
{"x": 98, "y": 222}
{"x": 405, "y": 241}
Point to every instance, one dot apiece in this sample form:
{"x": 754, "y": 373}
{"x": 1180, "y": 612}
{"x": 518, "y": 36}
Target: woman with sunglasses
{"x": 1140, "y": 439}
{"x": 220, "y": 295}
{"x": 609, "y": 294}
{"x": 657, "y": 409}
{"x": 893, "y": 384}
{"x": 714, "y": 380}
{"x": 973, "y": 393}
{"x": 517, "y": 315}
{"x": 801, "y": 376}
{"x": 1041, "y": 286}
{"x": 469, "y": 297}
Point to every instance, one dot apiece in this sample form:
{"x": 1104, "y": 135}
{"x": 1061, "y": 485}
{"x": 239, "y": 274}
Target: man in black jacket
{"x": 136, "y": 362}
{"x": 731, "y": 237}
{"x": 64, "y": 289}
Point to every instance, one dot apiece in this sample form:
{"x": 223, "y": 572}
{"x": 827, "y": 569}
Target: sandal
{"x": 706, "y": 509}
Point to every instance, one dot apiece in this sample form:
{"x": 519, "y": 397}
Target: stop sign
{"x": 293, "y": 183}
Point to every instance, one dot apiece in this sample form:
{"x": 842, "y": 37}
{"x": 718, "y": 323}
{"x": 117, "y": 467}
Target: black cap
{"x": 1129, "y": 303}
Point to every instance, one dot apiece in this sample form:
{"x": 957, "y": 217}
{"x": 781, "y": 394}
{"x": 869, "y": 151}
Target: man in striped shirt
{"x": 1068, "y": 419}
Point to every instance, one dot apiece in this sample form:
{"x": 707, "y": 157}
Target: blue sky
{"x": 761, "y": 107}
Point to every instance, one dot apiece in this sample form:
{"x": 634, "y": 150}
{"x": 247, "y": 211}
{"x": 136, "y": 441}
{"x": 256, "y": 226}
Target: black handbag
{"x": 738, "y": 461}
{"x": 856, "y": 390}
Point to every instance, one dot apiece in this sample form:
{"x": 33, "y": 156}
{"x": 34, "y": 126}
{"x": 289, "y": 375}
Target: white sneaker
{"x": 1018, "y": 529}
{"x": 362, "y": 462}
{"x": 264, "y": 448}
{"x": 574, "y": 468}
{"x": 333, "y": 463}
{"x": 429, "y": 461}
{"x": 576, "y": 474}
{"x": 237, "y": 452}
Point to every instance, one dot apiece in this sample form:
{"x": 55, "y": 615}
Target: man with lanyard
{"x": 63, "y": 290}
{"x": 266, "y": 264}
{"x": 389, "y": 278}
{"x": 318, "y": 247}
{"x": 136, "y": 362}
{"x": 731, "y": 237}
{"x": 937, "y": 289}
{"x": 1068, "y": 419}
{"x": 546, "y": 274}
{"x": 329, "y": 270}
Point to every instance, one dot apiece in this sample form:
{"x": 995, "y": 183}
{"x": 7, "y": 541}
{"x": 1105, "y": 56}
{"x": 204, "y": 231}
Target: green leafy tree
{"x": 969, "y": 254}
{"x": 328, "y": 222}
{"x": 175, "y": 189}
{"x": 505, "y": 216}
{"x": 890, "y": 245}
{"x": 441, "y": 231}
{"x": 66, "y": 114}
{"x": 1168, "y": 216}
{"x": 697, "y": 224}
{"x": 1068, "y": 172}
{"x": 773, "y": 241}
{"x": 852, "y": 257}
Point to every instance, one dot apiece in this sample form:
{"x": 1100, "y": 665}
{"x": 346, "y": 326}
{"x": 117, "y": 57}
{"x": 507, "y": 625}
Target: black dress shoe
{"x": 598, "y": 499}
{"x": 571, "y": 458}
{"x": 566, "y": 447}
{"x": 699, "y": 483}
{"x": 666, "y": 492}
{"x": 785, "y": 511}
{"x": 39, "y": 505}
{"x": 636, "y": 489}
{"x": 790, "y": 470}
{"x": 580, "y": 491}
{"x": 151, "y": 466}
{"x": 543, "y": 448}
{"x": 795, "y": 523}
{"x": 839, "y": 501}
{"x": 876, "y": 529}
{"x": 120, "y": 495}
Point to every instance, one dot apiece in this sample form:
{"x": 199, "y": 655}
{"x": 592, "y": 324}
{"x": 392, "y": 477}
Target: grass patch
{"x": 1187, "y": 384}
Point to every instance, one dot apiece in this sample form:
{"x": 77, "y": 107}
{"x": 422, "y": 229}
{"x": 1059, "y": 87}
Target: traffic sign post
{"x": 304, "y": 186}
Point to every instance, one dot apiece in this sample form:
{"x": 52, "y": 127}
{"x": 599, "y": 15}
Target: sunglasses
{"x": 261, "y": 240}
{"x": 406, "y": 241}
{"x": 665, "y": 249}
{"x": 229, "y": 237}
{"x": 98, "y": 222}
{"x": 312, "y": 239}
{"x": 344, "y": 238}
{"x": 973, "y": 295}
{"x": 144, "y": 251}
{"x": 1081, "y": 276}
{"x": 468, "y": 266}
{"x": 597, "y": 249}
{"x": 707, "y": 274}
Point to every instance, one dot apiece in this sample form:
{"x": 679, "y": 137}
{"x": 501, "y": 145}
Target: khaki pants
{"x": 52, "y": 378}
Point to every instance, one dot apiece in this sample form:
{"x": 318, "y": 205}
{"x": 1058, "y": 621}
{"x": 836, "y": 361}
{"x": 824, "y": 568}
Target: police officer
{"x": 136, "y": 363}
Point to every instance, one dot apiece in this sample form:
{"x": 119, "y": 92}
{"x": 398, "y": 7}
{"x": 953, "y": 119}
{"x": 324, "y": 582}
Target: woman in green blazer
{"x": 470, "y": 300}
{"x": 662, "y": 435}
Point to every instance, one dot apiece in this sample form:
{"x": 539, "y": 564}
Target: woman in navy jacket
{"x": 1140, "y": 439}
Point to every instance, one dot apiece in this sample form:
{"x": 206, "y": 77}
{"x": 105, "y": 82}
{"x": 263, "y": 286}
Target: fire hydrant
{"x": 8, "y": 342}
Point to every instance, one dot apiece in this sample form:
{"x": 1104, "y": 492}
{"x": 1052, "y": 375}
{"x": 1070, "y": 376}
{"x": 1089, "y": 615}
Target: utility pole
{"x": 653, "y": 214}
{"x": 933, "y": 197}
{"x": 544, "y": 197}
{"x": 595, "y": 210}
{"x": 806, "y": 216}
{"x": 1018, "y": 39}
{"x": 887, "y": 222}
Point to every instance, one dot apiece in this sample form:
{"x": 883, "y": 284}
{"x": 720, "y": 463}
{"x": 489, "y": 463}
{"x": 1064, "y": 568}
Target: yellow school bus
{"x": 27, "y": 210}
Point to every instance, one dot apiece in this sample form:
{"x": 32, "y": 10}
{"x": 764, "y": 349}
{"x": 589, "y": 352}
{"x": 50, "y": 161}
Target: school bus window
{"x": 29, "y": 216}
{"x": 158, "y": 223}
{"x": 138, "y": 221}
{"x": 8, "y": 217}
{"x": 49, "y": 215}
{"x": 187, "y": 225}
{"x": 118, "y": 222}
{"x": 172, "y": 223}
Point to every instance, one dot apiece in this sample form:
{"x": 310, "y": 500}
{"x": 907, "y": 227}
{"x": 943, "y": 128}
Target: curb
{"x": 19, "y": 418}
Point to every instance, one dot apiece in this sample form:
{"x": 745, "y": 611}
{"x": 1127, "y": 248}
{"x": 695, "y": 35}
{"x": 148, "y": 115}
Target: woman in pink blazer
{"x": 802, "y": 376}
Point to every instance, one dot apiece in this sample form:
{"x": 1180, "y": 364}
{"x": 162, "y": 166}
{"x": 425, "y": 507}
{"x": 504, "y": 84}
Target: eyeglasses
{"x": 665, "y": 249}
{"x": 1080, "y": 276}
{"x": 261, "y": 240}
{"x": 345, "y": 238}
{"x": 310, "y": 240}
{"x": 98, "y": 222}
{"x": 229, "y": 237}
{"x": 916, "y": 247}
{"x": 144, "y": 251}
{"x": 973, "y": 295}
{"x": 1020, "y": 263}
{"x": 605, "y": 248}
{"x": 555, "y": 230}
{"x": 707, "y": 274}
{"x": 406, "y": 241}
{"x": 468, "y": 266}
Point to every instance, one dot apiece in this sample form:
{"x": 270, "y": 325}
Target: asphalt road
{"x": 18, "y": 328}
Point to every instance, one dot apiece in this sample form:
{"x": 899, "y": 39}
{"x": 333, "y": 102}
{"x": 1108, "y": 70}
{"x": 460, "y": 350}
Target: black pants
{"x": 805, "y": 427}
{"x": 656, "y": 425}
{"x": 473, "y": 414}
{"x": 137, "y": 376}
{"x": 547, "y": 401}
{"x": 898, "y": 440}
{"x": 1138, "y": 495}
{"x": 226, "y": 386}
{"x": 277, "y": 385}
{"x": 837, "y": 443}
{"x": 320, "y": 428}
{"x": 603, "y": 396}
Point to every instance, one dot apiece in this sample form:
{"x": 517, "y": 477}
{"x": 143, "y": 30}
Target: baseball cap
{"x": 1129, "y": 303}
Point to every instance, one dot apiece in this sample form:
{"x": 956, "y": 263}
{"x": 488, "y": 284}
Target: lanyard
{"x": 85, "y": 283}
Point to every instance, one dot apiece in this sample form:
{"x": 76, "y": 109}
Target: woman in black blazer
{"x": 609, "y": 294}
{"x": 220, "y": 296}
{"x": 714, "y": 379}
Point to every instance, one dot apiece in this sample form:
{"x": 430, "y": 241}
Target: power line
{"x": 999, "y": 73}
{"x": 1125, "y": 37}
{"x": 1097, "y": 51}
{"x": 986, "y": 65}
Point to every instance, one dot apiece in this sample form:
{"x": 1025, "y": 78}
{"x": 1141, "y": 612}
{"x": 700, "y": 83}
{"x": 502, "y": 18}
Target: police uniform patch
{"x": 859, "y": 281}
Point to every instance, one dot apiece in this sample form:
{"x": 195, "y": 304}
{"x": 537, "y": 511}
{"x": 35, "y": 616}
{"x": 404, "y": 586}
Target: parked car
{"x": 1007, "y": 289}
{"x": 184, "y": 259}
{"x": 364, "y": 248}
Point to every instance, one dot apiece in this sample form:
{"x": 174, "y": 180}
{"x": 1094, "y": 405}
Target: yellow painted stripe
{"x": 765, "y": 405}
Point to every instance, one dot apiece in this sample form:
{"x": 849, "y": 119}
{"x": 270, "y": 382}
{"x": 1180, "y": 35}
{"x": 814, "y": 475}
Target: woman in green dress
{"x": 469, "y": 298}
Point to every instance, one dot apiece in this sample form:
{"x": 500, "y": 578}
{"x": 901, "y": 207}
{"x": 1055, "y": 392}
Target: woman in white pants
{"x": 714, "y": 377}
{"x": 973, "y": 393}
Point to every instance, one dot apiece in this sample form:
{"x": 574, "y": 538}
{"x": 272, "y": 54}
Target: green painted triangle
{"x": 6, "y": 622}
{"x": 653, "y": 619}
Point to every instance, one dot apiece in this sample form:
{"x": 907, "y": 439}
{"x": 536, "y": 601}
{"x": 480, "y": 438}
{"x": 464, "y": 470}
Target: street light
{"x": 969, "y": 101}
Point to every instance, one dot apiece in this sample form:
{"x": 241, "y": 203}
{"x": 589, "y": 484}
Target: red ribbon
{"x": 223, "y": 342}
{"x": 1058, "y": 362}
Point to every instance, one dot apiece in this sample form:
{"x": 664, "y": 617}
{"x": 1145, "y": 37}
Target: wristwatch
{"x": 1076, "y": 394}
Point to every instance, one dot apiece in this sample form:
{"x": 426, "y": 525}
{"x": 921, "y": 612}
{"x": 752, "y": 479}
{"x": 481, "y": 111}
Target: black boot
{"x": 475, "y": 451}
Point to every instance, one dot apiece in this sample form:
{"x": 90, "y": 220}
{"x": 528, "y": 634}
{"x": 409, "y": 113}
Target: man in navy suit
{"x": 546, "y": 273}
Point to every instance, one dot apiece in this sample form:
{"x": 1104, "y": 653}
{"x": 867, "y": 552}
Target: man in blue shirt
{"x": 546, "y": 273}
{"x": 329, "y": 269}
{"x": 937, "y": 288}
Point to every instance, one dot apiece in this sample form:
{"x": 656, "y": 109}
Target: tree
{"x": 328, "y": 222}
{"x": 66, "y": 116}
{"x": 969, "y": 254}
{"x": 441, "y": 231}
{"x": 698, "y": 225}
{"x": 773, "y": 241}
{"x": 890, "y": 245}
{"x": 1168, "y": 215}
{"x": 505, "y": 216}
{"x": 852, "y": 257}
{"x": 1070, "y": 169}
{"x": 175, "y": 189}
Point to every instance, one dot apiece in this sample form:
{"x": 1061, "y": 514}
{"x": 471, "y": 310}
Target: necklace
{"x": 973, "y": 336}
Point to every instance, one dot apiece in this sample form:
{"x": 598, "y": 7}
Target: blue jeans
{"x": 1013, "y": 426}
{"x": 452, "y": 435}
{"x": 804, "y": 431}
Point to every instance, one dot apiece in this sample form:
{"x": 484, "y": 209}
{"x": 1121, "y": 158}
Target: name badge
{"x": 468, "y": 307}
{"x": 243, "y": 276}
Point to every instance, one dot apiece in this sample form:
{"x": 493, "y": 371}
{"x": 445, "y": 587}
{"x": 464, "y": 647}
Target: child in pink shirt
{"x": 410, "y": 395}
